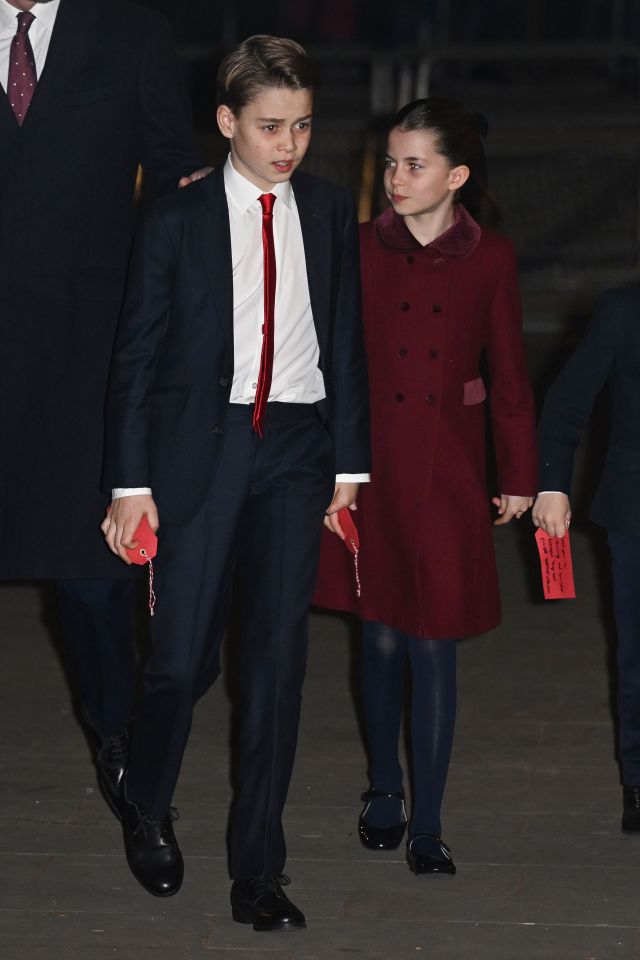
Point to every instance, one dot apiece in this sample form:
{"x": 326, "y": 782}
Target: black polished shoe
{"x": 427, "y": 853}
{"x": 153, "y": 853}
{"x": 111, "y": 765}
{"x": 262, "y": 902}
{"x": 631, "y": 809}
{"x": 381, "y": 838}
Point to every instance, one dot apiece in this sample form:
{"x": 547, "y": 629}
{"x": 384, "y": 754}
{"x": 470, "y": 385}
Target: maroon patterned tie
{"x": 22, "y": 69}
{"x": 266, "y": 359}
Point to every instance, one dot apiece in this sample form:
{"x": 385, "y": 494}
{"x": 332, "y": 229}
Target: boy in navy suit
{"x": 608, "y": 353}
{"x": 236, "y": 421}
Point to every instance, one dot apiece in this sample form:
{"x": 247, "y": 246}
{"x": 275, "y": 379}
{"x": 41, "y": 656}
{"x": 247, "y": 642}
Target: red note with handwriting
{"x": 556, "y": 566}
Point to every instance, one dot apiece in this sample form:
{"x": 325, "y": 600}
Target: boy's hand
{"x": 122, "y": 519}
{"x": 510, "y": 507}
{"x": 196, "y": 175}
{"x": 552, "y": 512}
{"x": 344, "y": 496}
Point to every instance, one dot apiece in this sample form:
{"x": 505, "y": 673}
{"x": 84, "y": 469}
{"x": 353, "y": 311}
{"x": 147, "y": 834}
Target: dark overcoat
{"x": 427, "y": 563}
{"x": 609, "y": 353}
{"x": 109, "y": 98}
{"x": 173, "y": 363}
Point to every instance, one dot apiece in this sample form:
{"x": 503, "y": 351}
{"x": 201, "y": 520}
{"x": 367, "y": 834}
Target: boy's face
{"x": 270, "y": 135}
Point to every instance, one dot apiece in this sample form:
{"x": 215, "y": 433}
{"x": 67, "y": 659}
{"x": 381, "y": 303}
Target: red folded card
{"x": 556, "y": 566}
{"x": 352, "y": 540}
{"x": 147, "y": 544}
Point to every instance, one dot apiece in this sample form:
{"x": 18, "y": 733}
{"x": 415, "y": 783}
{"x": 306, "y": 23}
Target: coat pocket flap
{"x": 474, "y": 392}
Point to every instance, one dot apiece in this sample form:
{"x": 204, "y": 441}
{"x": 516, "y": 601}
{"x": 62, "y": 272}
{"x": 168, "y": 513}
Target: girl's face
{"x": 418, "y": 179}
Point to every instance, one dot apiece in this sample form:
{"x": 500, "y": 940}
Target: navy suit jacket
{"x": 609, "y": 352}
{"x": 173, "y": 362}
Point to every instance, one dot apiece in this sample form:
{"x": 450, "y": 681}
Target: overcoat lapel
{"x": 317, "y": 251}
{"x": 215, "y": 239}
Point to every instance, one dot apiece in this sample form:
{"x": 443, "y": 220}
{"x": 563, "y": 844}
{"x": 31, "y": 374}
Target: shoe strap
{"x": 373, "y": 794}
{"x": 431, "y": 836}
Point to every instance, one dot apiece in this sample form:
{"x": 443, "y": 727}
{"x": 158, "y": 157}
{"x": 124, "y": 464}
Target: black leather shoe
{"x": 427, "y": 853}
{"x": 262, "y": 902}
{"x": 631, "y": 809}
{"x": 111, "y": 765}
{"x": 153, "y": 853}
{"x": 381, "y": 838}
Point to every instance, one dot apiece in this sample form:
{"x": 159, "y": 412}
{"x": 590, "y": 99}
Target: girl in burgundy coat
{"x": 439, "y": 292}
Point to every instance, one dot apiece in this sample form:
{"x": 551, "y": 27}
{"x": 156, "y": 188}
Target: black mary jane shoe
{"x": 631, "y": 809}
{"x": 111, "y": 765}
{"x": 438, "y": 859}
{"x": 153, "y": 853}
{"x": 262, "y": 902}
{"x": 381, "y": 838}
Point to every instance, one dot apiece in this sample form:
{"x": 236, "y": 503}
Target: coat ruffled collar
{"x": 459, "y": 240}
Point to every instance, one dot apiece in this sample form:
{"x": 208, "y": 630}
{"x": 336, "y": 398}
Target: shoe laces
{"x": 117, "y": 746}
{"x": 145, "y": 823}
{"x": 635, "y": 796}
{"x": 271, "y": 883}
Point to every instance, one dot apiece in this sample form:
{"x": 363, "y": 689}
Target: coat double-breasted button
{"x": 405, "y": 306}
{"x": 433, "y": 353}
{"x": 437, "y": 308}
{"x": 399, "y": 397}
{"x": 431, "y": 399}
{"x": 402, "y": 352}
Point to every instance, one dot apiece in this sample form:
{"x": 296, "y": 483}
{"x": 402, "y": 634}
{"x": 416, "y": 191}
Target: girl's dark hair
{"x": 259, "y": 62}
{"x": 458, "y": 137}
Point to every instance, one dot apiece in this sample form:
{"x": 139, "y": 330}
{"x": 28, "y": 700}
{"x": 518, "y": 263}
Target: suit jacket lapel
{"x": 215, "y": 238}
{"x": 317, "y": 251}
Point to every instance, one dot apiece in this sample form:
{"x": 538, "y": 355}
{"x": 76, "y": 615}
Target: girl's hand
{"x": 510, "y": 507}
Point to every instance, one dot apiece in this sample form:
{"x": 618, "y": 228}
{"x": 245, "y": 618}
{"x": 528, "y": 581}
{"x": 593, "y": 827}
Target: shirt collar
{"x": 45, "y": 12}
{"x": 243, "y": 194}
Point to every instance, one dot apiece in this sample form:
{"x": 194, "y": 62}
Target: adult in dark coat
{"x": 439, "y": 292}
{"x": 608, "y": 353}
{"x": 108, "y": 99}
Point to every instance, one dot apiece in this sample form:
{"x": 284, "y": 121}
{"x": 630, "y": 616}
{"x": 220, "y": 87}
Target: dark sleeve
{"x": 570, "y": 399}
{"x": 350, "y": 415}
{"x": 513, "y": 414}
{"x": 140, "y": 333}
{"x": 167, "y": 146}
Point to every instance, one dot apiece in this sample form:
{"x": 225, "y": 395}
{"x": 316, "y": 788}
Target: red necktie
{"x": 266, "y": 360}
{"x": 22, "y": 69}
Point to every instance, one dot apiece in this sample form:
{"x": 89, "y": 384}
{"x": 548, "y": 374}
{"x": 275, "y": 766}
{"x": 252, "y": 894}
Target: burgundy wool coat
{"x": 427, "y": 564}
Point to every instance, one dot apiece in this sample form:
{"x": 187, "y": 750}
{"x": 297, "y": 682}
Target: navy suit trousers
{"x": 262, "y": 517}
{"x": 625, "y": 557}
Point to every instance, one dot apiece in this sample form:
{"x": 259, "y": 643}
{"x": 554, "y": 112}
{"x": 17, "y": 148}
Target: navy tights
{"x": 433, "y": 709}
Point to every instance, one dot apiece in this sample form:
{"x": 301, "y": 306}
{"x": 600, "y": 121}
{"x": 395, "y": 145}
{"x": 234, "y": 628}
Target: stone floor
{"x": 532, "y": 810}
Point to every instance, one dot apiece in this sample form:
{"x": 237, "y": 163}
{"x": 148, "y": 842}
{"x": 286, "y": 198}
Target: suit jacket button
{"x": 437, "y": 308}
{"x": 216, "y": 428}
{"x": 224, "y": 381}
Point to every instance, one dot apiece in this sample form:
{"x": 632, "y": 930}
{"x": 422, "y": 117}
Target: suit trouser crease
{"x": 266, "y": 502}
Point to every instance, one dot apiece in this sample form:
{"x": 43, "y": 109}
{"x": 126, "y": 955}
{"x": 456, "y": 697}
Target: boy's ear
{"x": 226, "y": 121}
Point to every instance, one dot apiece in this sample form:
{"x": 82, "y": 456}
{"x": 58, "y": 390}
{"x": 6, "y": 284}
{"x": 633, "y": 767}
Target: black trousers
{"x": 97, "y": 618}
{"x": 263, "y": 514}
{"x": 625, "y": 561}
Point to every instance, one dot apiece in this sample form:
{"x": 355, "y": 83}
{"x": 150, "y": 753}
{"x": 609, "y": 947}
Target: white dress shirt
{"x": 39, "y": 34}
{"x": 296, "y": 377}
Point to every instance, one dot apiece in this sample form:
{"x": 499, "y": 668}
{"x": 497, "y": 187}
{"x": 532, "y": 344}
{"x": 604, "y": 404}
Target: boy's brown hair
{"x": 263, "y": 61}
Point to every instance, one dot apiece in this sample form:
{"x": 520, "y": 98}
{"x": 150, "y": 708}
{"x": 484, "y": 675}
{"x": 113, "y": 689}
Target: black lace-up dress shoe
{"x": 262, "y": 902}
{"x": 427, "y": 853}
{"x": 111, "y": 765}
{"x": 631, "y": 809}
{"x": 153, "y": 853}
{"x": 374, "y": 835}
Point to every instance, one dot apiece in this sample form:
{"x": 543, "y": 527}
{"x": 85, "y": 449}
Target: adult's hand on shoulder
{"x": 196, "y": 175}
{"x": 510, "y": 507}
{"x": 552, "y": 513}
{"x": 344, "y": 496}
{"x": 122, "y": 519}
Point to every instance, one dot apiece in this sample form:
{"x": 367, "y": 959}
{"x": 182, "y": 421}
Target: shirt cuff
{"x": 353, "y": 478}
{"x": 118, "y": 492}
{"x": 542, "y": 492}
